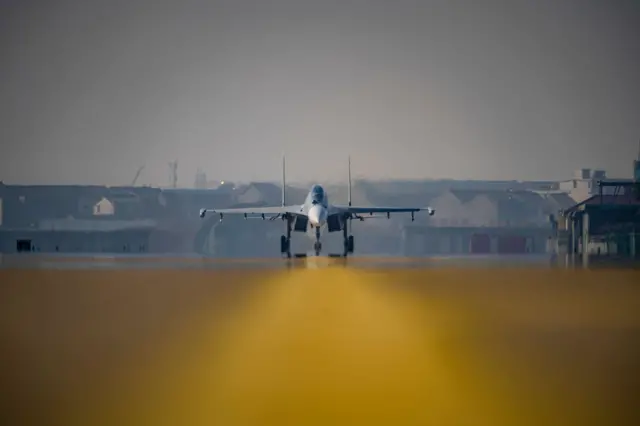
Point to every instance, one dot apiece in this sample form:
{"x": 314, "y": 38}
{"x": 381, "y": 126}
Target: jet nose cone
{"x": 317, "y": 215}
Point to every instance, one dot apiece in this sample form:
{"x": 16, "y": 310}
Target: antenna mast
{"x": 349, "y": 190}
{"x": 284, "y": 183}
{"x": 173, "y": 165}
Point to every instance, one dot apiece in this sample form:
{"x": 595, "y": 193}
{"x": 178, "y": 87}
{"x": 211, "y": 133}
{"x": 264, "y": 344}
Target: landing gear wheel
{"x": 317, "y": 246}
{"x": 350, "y": 244}
{"x": 284, "y": 246}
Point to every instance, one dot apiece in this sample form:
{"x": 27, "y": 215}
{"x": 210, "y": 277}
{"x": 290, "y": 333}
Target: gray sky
{"x": 90, "y": 90}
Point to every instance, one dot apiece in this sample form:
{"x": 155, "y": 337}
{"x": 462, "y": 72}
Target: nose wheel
{"x": 317, "y": 246}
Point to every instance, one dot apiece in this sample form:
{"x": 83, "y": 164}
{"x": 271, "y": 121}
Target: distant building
{"x": 473, "y": 208}
{"x": 104, "y": 207}
{"x": 79, "y": 236}
{"x": 266, "y": 193}
{"x": 557, "y": 201}
{"x": 24, "y": 205}
{"x": 184, "y": 204}
{"x": 200, "y": 180}
{"x": 585, "y": 184}
{"x": 450, "y": 211}
{"x": 260, "y": 193}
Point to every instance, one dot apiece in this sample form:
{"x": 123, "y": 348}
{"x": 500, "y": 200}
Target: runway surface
{"x": 324, "y": 344}
{"x": 141, "y": 261}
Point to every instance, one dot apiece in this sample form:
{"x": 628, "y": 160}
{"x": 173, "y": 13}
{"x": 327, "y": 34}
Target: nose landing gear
{"x": 317, "y": 246}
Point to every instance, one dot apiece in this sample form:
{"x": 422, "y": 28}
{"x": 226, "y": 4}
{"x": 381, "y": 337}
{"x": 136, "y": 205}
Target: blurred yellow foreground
{"x": 320, "y": 347}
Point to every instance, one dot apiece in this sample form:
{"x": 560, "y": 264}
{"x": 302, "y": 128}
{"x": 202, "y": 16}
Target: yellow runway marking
{"x": 341, "y": 346}
{"x": 330, "y": 347}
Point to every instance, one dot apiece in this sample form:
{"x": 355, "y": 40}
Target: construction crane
{"x": 135, "y": 179}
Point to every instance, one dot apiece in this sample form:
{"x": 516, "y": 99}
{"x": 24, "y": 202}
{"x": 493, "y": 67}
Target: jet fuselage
{"x": 317, "y": 206}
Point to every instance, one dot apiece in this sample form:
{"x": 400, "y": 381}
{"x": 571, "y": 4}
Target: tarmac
{"x": 186, "y": 261}
{"x": 442, "y": 341}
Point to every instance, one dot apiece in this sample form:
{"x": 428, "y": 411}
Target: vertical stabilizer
{"x": 284, "y": 183}
{"x": 349, "y": 189}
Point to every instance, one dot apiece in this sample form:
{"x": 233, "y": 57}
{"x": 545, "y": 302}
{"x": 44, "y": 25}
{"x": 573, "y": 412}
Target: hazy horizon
{"x": 510, "y": 90}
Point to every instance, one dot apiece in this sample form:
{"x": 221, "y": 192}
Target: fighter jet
{"x": 315, "y": 214}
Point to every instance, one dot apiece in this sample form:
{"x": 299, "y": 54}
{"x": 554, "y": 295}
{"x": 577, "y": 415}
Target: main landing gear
{"x": 348, "y": 245}
{"x": 285, "y": 240}
{"x": 285, "y": 244}
{"x": 349, "y": 241}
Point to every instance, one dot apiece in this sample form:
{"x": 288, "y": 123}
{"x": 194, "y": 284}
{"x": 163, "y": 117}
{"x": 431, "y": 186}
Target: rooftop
{"x": 94, "y": 225}
{"x": 625, "y": 199}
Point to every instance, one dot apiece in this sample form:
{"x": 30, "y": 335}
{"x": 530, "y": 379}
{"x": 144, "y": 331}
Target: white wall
{"x": 581, "y": 189}
{"x": 482, "y": 211}
{"x": 449, "y": 210}
{"x": 251, "y": 195}
{"x": 103, "y": 207}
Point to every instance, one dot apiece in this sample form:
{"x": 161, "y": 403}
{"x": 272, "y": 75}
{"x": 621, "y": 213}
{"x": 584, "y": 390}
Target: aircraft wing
{"x": 375, "y": 209}
{"x": 255, "y": 211}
